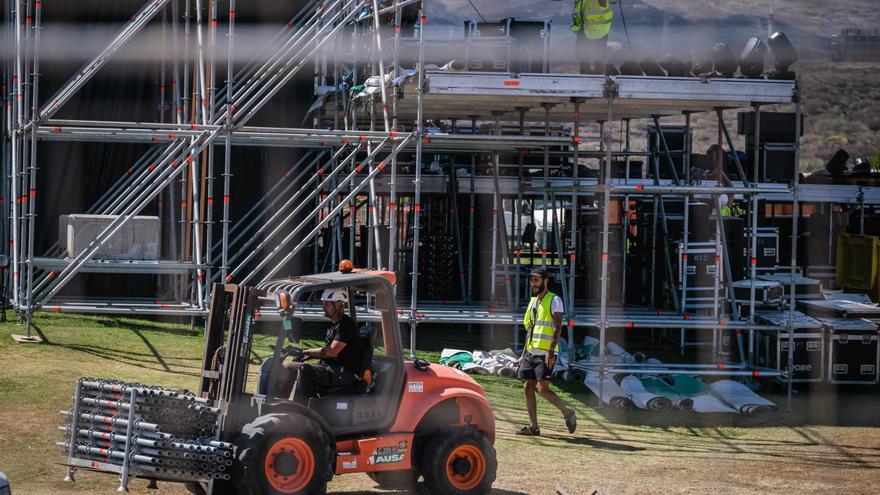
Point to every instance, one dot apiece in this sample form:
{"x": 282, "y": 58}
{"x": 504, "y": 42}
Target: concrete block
{"x": 136, "y": 240}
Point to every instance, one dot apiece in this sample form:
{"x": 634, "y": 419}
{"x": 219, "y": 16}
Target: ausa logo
{"x": 389, "y": 454}
{"x": 386, "y": 458}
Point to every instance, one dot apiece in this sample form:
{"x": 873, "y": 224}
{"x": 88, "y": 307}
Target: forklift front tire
{"x": 284, "y": 454}
{"x": 459, "y": 461}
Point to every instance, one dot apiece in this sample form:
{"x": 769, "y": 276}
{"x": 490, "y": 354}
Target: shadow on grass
{"x": 128, "y": 357}
{"x": 152, "y": 349}
{"x": 597, "y": 444}
{"x": 39, "y": 331}
{"x": 148, "y": 326}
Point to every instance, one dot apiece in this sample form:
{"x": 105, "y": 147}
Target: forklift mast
{"x": 225, "y": 362}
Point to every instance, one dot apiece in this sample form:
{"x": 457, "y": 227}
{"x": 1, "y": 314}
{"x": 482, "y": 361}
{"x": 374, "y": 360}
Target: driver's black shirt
{"x": 352, "y": 355}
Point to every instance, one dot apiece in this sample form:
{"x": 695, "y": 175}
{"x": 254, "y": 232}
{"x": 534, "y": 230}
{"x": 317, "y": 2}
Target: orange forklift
{"x": 408, "y": 419}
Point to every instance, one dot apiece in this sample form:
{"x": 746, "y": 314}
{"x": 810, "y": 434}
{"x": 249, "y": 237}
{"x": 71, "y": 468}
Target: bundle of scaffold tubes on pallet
{"x": 143, "y": 430}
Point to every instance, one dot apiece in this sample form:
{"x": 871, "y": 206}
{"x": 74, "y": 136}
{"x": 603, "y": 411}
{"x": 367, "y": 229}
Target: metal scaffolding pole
{"x": 32, "y": 189}
{"x": 544, "y": 243}
{"x": 454, "y": 213}
{"x": 209, "y": 178}
{"x": 201, "y": 95}
{"x": 6, "y": 109}
{"x": 395, "y": 126}
{"x": 794, "y": 238}
{"x": 683, "y": 282}
{"x": 374, "y": 243}
{"x": 420, "y": 136}
{"x": 517, "y": 229}
{"x": 625, "y": 208}
{"x": 15, "y": 201}
{"x": 572, "y": 228}
{"x": 610, "y": 93}
{"x": 496, "y": 205}
{"x": 753, "y": 238}
{"x": 471, "y": 218}
{"x": 227, "y": 154}
{"x": 378, "y": 34}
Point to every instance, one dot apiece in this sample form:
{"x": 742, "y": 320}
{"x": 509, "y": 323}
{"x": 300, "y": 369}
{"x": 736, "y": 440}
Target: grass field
{"x": 829, "y": 444}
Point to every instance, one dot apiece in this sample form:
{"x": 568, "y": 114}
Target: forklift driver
{"x": 341, "y": 359}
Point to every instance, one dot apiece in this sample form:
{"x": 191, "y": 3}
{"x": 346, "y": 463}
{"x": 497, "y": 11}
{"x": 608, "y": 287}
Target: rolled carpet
{"x": 743, "y": 399}
{"x": 642, "y": 397}
{"x": 612, "y": 394}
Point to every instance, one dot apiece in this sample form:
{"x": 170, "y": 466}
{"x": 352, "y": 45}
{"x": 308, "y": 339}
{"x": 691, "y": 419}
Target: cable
{"x": 477, "y": 11}
{"x": 625, "y": 30}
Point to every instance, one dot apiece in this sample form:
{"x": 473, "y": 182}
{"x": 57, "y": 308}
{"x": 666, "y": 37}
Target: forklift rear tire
{"x": 395, "y": 480}
{"x": 284, "y": 454}
{"x": 459, "y": 461}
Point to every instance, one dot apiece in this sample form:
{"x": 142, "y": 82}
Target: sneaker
{"x": 528, "y": 431}
{"x": 571, "y": 422}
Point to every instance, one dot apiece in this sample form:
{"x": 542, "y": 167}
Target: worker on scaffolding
{"x": 591, "y": 23}
{"x": 543, "y": 320}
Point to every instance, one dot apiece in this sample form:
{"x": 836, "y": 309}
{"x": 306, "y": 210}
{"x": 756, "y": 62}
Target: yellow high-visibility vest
{"x": 541, "y": 325}
{"x": 592, "y": 17}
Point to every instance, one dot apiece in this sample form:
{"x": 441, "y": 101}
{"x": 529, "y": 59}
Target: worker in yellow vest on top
{"x": 591, "y": 22}
{"x": 543, "y": 320}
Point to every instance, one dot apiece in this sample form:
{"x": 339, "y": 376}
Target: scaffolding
{"x": 352, "y": 172}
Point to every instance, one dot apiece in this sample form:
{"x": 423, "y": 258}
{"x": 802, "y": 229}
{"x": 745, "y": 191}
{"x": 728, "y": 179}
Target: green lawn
{"x": 829, "y": 442}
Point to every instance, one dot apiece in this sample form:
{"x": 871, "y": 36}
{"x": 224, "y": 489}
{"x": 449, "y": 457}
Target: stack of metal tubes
{"x": 147, "y": 431}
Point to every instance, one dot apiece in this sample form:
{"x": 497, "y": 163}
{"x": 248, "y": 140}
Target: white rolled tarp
{"x": 643, "y": 398}
{"x": 710, "y": 404}
{"x": 742, "y": 398}
{"x": 612, "y": 394}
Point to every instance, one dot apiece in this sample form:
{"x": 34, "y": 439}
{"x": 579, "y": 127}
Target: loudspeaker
{"x": 775, "y": 126}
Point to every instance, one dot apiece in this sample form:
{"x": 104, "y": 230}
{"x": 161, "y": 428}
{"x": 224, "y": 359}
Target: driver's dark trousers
{"x": 308, "y": 379}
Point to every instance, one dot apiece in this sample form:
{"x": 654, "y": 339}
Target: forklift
{"x": 409, "y": 419}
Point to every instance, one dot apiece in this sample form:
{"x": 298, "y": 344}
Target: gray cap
{"x": 538, "y": 271}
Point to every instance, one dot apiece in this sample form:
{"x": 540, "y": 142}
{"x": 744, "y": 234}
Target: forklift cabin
{"x": 233, "y": 311}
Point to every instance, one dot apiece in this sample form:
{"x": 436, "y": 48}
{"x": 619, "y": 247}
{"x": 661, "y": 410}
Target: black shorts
{"x": 534, "y": 368}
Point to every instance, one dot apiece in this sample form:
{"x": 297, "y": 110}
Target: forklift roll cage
{"x": 240, "y": 305}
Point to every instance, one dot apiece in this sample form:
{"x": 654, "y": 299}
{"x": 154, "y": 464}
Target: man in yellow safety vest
{"x": 591, "y": 22}
{"x": 543, "y": 320}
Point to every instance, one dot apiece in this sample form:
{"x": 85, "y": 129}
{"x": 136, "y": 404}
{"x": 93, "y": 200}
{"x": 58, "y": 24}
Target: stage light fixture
{"x": 784, "y": 54}
{"x": 651, "y": 68}
{"x": 751, "y": 58}
{"x": 701, "y": 63}
{"x": 724, "y": 60}
{"x": 673, "y": 66}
